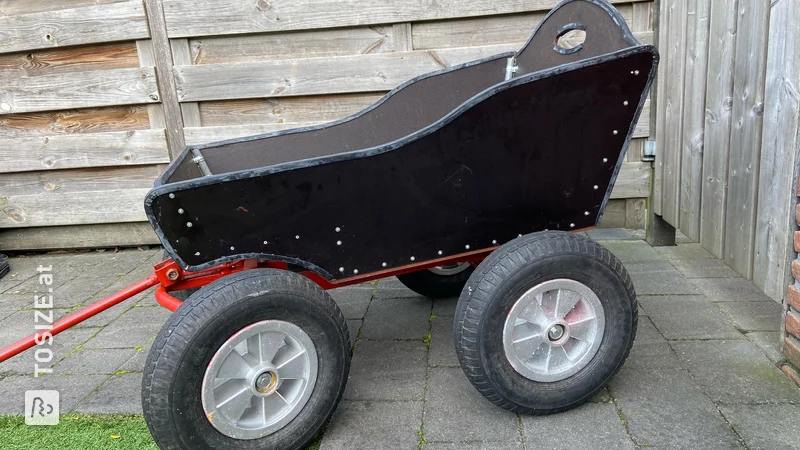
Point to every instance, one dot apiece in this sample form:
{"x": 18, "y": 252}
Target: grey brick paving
{"x": 766, "y": 427}
{"x": 569, "y": 430}
{"x": 688, "y": 317}
{"x": 387, "y": 370}
{"x": 370, "y": 424}
{"x": 702, "y": 365}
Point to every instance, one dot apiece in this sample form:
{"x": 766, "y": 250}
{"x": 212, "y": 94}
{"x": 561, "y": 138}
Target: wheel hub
{"x": 553, "y": 330}
{"x": 259, "y": 379}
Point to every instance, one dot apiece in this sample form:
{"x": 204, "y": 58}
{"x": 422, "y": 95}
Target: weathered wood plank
{"x": 719, "y": 92}
{"x": 670, "y": 144}
{"x": 66, "y": 60}
{"x": 323, "y": 108}
{"x": 777, "y": 187}
{"x": 313, "y": 76}
{"x": 401, "y": 36}
{"x": 112, "y": 148}
{"x": 315, "y": 43}
{"x": 633, "y": 180}
{"x": 635, "y": 213}
{"x": 78, "y": 180}
{"x": 74, "y": 121}
{"x": 642, "y": 17}
{"x": 162, "y": 57}
{"x": 661, "y": 23}
{"x": 75, "y": 26}
{"x": 72, "y": 208}
{"x": 233, "y": 17}
{"x": 491, "y": 30}
{"x": 181, "y": 56}
{"x": 694, "y": 117}
{"x": 147, "y": 58}
{"x": 79, "y": 90}
{"x": 745, "y": 141}
{"x": 615, "y": 214}
{"x": 15, "y": 7}
{"x": 78, "y": 236}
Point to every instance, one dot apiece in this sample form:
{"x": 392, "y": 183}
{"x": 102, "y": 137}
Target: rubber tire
{"x": 433, "y": 285}
{"x": 501, "y": 279}
{"x": 181, "y": 352}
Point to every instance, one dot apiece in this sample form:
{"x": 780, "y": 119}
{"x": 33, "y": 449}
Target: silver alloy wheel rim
{"x": 450, "y": 269}
{"x": 553, "y": 330}
{"x": 259, "y": 379}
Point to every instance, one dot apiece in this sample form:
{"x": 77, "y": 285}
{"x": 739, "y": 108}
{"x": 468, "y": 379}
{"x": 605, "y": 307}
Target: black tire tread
{"x": 518, "y": 251}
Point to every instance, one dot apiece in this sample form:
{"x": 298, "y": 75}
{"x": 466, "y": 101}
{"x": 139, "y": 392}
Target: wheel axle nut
{"x": 556, "y": 332}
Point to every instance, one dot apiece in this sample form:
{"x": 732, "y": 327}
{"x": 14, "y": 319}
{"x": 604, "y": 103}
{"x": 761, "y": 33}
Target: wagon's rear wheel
{"x": 544, "y": 322}
{"x": 255, "y": 360}
{"x": 438, "y": 282}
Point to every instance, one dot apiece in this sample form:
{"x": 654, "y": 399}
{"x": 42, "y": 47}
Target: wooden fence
{"x": 726, "y": 133}
{"x": 99, "y": 94}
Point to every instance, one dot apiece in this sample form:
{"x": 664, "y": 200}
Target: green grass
{"x": 83, "y": 431}
{"x": 77, "y": 431}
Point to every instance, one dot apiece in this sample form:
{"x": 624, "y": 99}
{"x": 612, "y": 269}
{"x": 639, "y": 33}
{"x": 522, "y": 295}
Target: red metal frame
{"x": 168, "y": 276}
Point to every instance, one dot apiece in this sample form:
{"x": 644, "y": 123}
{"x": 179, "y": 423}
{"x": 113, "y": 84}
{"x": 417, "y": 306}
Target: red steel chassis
{"x": 168, "y": 276}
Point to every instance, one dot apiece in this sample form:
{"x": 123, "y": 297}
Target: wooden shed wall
{"x": 727, "y": 159}
{"x": 99, "y": 93}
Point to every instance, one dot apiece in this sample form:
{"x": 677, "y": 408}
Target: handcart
{"x": 462, "y": 182}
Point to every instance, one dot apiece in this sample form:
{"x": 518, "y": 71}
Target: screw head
{"x": 466, "y": 246}
{"x": 596, "y": 187}
{"x": 440, "y": 252}
{"x": 625, "y": 103}
{"x": 265, "y": 242}
{"x": 586, "y": 213}
{"x": 297, "y": 237}
{"x": 384, "y": 264}
{"x": 616, "y": 132}
{"x": 189, "y": 224}
{"x": 172, "y": 274}
{"x": 180, "y": 210}
{"x": 232, "y": 248}
{"x": 556, "y": 332}
{"x": 338, "y": 242}
{"x": 605, "y": 160}
{"x": 341, "y": 269}
{"x": 636, "y": 72}
{"x": 196, "y": 253}
{"x": 412, "y": 258}
{"x": 494, "y": 241}
{"x": 355, "y": 271}
{"x": 338, "y": 229}
{"x": 572, "y": 225}
{"x": 171, "y": 195}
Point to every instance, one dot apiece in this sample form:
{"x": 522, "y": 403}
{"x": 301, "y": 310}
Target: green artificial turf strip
{"x": 85, "y": 432}
{"x": 77, "y": 431}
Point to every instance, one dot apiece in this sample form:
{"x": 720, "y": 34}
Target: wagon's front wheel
{"x": 544, "y": 322}
{"x": 255, "y": 360}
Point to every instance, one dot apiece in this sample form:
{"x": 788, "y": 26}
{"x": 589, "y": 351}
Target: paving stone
{"x": 650, "y": 350}
{"x": 72, "y": 390}
{"x": 35, "y": 285}
{"x": 658, "y": 278}
{"x": 769, "y": 342}
{"x": 665, "y": 408}
{"x": 387, "y": 370}
{"x": 684, "y": 252}
{"x": 766, "y": 427}
{"x": 753, "y": 316}
{"x": 632, "y": 251}
{"x": 106, "y": 317}
{"x": 396, "y": 292}
{"x": 372, "y": 425}
{"x": 602, "y": 396}
{"x": 443, "y": 351}
{"x": 14, "y": 278}
{"x": 353, "y": 326}
{"x": 730, "y": 290}
{"x": 133, "y": 328}
{"x": 569, "y": 430}
{"x": 391, "y": 282}
{"x": 735, "y": 372}
{"x": 137, "y": 361}
{"x": 118, "y": 395}
{"x": 457, "y": 412}
{"x": 398, "y": 318}
{"x": 11, "y": 303}
{"x": 94, "y": 362}
{"x": 611, "y": 234}
{"x": 353, "y": 302}
{"x": 474, "y": 446}
{"x": 704, "y": 268}
{"x": 445, "y": 307}
{"x": 80, "y": 291}
{"x": 63, "y": 343}
{"x": 688, "y": 317}
{"x": 108, "y": 265}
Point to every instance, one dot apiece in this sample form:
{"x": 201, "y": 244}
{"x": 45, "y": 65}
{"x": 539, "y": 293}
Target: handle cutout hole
{"x": 570, "y": 38}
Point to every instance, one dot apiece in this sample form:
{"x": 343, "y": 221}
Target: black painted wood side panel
{"x": 525, "y": 159}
